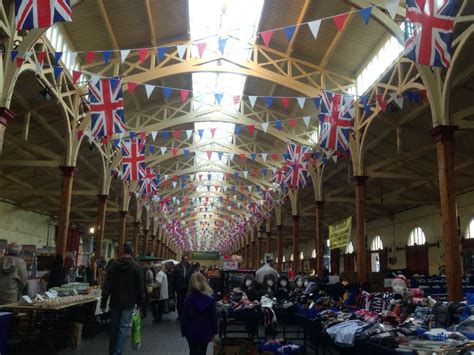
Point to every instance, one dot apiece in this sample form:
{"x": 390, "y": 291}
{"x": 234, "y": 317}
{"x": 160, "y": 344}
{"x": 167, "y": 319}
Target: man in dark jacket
{"x": 183, "y": 274}
{"x": 124, "y": 285}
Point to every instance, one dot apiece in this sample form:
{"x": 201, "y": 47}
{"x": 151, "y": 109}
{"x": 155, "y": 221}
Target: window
{"x": 301, "y": 256}
{"x": 349, "y": 248}
{"x": 291, "y": 257}
{"x": 284, "y": 259}
{"x": 417, "y": 237}
{"x": 376, "y": 243}
{"x": 60, "y": 44}
{"x": 313, "y": 254}
{"x": 470, "y": 229}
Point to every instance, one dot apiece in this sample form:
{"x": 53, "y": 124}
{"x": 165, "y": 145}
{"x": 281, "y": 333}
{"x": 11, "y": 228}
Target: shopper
{"x": 158, "y": 304}
{"x": 124, "y": 286}
{"x": 13, "y": 275}
{"x": 57, "y": 273}
{"x": 183, "y": 274}
{"x": 266, "y": 269}
{"x": 199, "y": 315}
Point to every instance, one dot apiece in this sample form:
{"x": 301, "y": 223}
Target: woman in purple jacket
{"x": 199, "y": 316}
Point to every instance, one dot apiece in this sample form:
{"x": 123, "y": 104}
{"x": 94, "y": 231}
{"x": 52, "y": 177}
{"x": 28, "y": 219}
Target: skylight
{"x": 379, "y": 63}
{"x": 211, "y": 20}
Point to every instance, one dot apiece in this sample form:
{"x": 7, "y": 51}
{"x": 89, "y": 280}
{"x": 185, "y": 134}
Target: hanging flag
{"x": 292, "y": 122}
{"x": 278, "y": 125}
{"x": 285, "y": 101}
{"x": 218, "y": 97}
{"x": 265, "y": 126}
{"x": 184, "y": 94}
{"x": 306, "y": 120}
{"x": 133, "y": 158}
{"x": 106, "y": 56}
{"x": 268, "y": 101}
{"x": 429, "y": 31}
{"x": 57, "y": 71}
{"x": 340, "y": 21}
{"x": 149, "y": 90}
{"x": 106, "y": 105}
{"x": 382, "y": 103}
{"x": 167, "y": 93}
{"x": 289, "y": 32}
{"x": 392, "y": 6}
{"x": 181, "y": 50}
{"x": 365, "y": 14}
{"x": 149, "y": 184}
{"x": 189, "y": 133}
{"x": 397, "y": 99}
{"x": 251, "y": 129}
{"x": 236, "y": 99}
{"x": 213, "y": 131}
{"x": 76, "y": 75}
{"x": 41, "y": 13}
{"x": 266, "y": 37}
{"x": 176, "y": 134}
{"x": 201, "y": 46}
{"x": 57, "y": 57}
{"x": 301, "y": 101}
{"x": 221, "y": 43}
{"x": 90, "y": 57}
{"x": 336, "y": 116}
{"x": 161, "y": 52}
{"x": 314, "y": 27}
{"x": 142, "y": 54}
{"x": 124, "y": 54}
{"x": 132, "y": 87}
{"x": 252, "y": 100}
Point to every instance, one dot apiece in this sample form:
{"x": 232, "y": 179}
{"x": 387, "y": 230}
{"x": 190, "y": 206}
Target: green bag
{"x": 136, "y": 330}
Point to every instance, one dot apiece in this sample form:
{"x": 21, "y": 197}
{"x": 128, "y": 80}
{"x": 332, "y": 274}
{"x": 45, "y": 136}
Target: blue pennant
{"x": 238, "y": 128}
{"x": 278, "y": 125}
{"x": 152, "y": 149}
{"x": 13, "y": 55}
{"x": 269, "y": 101}
{"x": 218, "y": 97}
{"x": 57, "y": 57}
{"x": 220, "y": 154}
{"x": 106, "y": 55}
{"x": 161, "y": 52}
{"x": 221, "y": 44}
{"x": 365, "y": 14}
{"x": 165, "y": 135}
{"x": 57, "y": 71}
{"x": 264, "y": 171}
{"x": 317, "y": 101}
{"x": 167, "y": 93}
{"x": 289, "y": 32}
{"x": 186, "y": 152}
{"x": 253, "y": 155}
{"x": 200, "y": 133}
{"x": 132, "y": 135}
{"x": 236, "y": 174}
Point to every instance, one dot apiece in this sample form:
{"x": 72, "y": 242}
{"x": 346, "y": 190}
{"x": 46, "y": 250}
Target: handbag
{"x": 156, "y": 291}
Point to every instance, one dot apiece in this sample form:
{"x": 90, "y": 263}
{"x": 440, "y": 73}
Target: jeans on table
{"x": 119, "y": 326}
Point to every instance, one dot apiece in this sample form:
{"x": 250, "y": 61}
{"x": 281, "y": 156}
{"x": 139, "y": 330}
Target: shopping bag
{"x": 136, "y": 330}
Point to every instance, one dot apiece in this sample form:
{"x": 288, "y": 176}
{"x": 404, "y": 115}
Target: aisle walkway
{"x": 164, "y": 338}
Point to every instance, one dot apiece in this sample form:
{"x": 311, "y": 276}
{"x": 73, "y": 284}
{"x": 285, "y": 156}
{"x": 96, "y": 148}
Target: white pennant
{"x": 314, "y": 27}
{"x": 252, "y": 100}
{"x": 192, "y": 177}
{"x": 301, "y": 101}
{"x": 274, "y": 169}
{"x": 181, "y": 50}
{"x": 225, "y": 188}
{"x": 154, "y": 134}
{"x": 264, "y": 157}
{"x": 334, "y": 158}
{"x": 95, "y": 79}
{"x": 306, "y": 120}
{"x": 265, "y": 126}
{"x": 392, "y": 7}
{"x": 38, "y": 68}
{"x": 250, "y": 188}
{"x": 73, "y": 56}
{"x": 149, "y": 90}
{"x": 189, "y": 133}
{"x": 235, "y": 197}
{"x": 397, "y": 99}
{"x": 231, "y": 156}
{"x": 174, "y": 184}
{"x": 163, "y": 150}
{"x": 246, "y": 173}
{"x": 28, "y": 54}
{"x": 124, "y": 54}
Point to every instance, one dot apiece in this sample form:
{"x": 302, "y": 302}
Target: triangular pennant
{"x": 252, "y": 100}
{"x": 213, "y": 132}
{"x": 392, "y": 7}
{"x": 149, "y": 90}
{"x": 201, "y": 48}
{"x": 189, "y": 133}
{"x": 317, "y": 101}
{"x": 218, "y": 97}
{"x": 397, "y": 99}
{"x": 209, "y": 154}
{"x": 174, "y": 185}
{"x": 19, "y": 61}
{"x": 289, "y": 32}
{"x": 264, "y": 157}
{"x": 292, "y": 122}
{"x": 181, "y": 50}
{"x": 314, "y": 27}
{"x": 154, "y": 134}
{"x": 163, "y": 151}
{"x": 242, "y": 156}
{"x": 251, "y": 129}
{"x": 161, "y": 52}
{"x": 340, "y": 21}
{"x": 142, "y": 54}
{"x": 365, "y": 14}
{"x": 246, "y": 173}
{"x": 221, "y": 43}
{"x": 57, "y": 57}
{"x": 301, "y": 101}
{"x": 38, "y": 68}
{"x": 236, "y": 99}
{"x": 132, "y": 87}
{"x": 266, "y": 37}
{"x": 200, "y": 133}
{"x": 306, "y": 120}
{"x": 13, "y": 55}
{"x": 76, "y": 75}
{"x": 57, "y": 71}
{"x": 106, "y": 56}
{"x": 90, "y": 57}
{"x": 231, "y": 156}
{"x": 278, "y": 125}
{"x": 382, "y": 103}
{"x": 265, "y": 126}
{"x": 124, "y": 54}
{"x": 165, "y": 135}
{"x": 184, "y": 94}
{"x": 176, "y": 134}
{"x": 174, "y": 151}
{"x": 285, "y": 101}
{"x": 268, "y": 101}
{"x": 167, "y": 93}
{"x": 186, "y": 152}
{"x": 41, "y": 56}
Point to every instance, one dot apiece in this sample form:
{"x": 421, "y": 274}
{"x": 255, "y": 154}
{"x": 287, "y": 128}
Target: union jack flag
{"x": 149, "y": 184}
{"x": 41, "y": 13}
{"x": 106, "y": 104}
{"x": 432, "y": 22}
{"x": 296, "y": 166}
{"x": 133, "y": 158}
{"x": 337, "y": 112}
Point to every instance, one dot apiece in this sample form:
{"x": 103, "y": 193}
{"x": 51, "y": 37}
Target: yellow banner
{"x": 339, "y": 233}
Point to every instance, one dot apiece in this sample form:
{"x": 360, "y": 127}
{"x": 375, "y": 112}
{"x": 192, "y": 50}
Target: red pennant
{"x": 292, "y": 122}
{"x": 209, "y": 155}
{"x": 236, "y": 99}
{"x": 382, "y": 103}
{"x": 175, "y": 178}
{"x": 423, "y": 95}
{"x": 80, "y": 133}
{"x": 19, "y": 61}
{"x": 275, "y": 156}
{"x": 176, "y": 134}
{"x": 251, "y": 128}
{"x": 142, "y": 54}
{"x": 41, "y": 56}
{"x": 76, "y": 75}
{"x": 216, "y": 187}
{"x": 242, "y": 156}
{"x": 285, "y": 101}
{"x": 184, "y": 94}
{"x": 340, "y": 21}
{"x": 266, "y": 37}
{"x": 255, "y": 172}
{"x": 174, "y": 151}
{"x": 213, "y": 132}
{"x": 201, "y": 48}
{"x": 200, "y": 177}
{"x": 90, "y": 57}
{"x": 132, "y": 87}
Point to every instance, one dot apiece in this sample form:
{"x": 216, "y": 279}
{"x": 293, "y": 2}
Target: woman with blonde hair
{"x": 199, "y": 316}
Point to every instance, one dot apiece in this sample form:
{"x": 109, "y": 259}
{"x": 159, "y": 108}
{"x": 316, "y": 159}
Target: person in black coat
{"x": 183, "y": 275}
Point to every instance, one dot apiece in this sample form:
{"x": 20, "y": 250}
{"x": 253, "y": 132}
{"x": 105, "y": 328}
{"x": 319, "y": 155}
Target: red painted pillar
{"x": 64, "y": 208}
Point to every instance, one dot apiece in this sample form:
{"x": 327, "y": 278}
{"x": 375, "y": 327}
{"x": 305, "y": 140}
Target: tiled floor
{"x": 164, "y": 338}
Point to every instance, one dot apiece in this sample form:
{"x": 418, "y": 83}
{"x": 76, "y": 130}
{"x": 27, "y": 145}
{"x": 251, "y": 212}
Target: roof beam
{"x": 335, "y": 41}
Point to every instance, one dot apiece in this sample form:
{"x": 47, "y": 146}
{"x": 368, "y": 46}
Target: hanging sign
{"x": 205, "y": 255}
{"x": 340, "y": 233}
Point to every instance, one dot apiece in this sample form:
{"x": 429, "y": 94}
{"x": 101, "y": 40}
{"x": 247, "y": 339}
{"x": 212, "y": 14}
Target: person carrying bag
{"x": 159, "y": 294}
